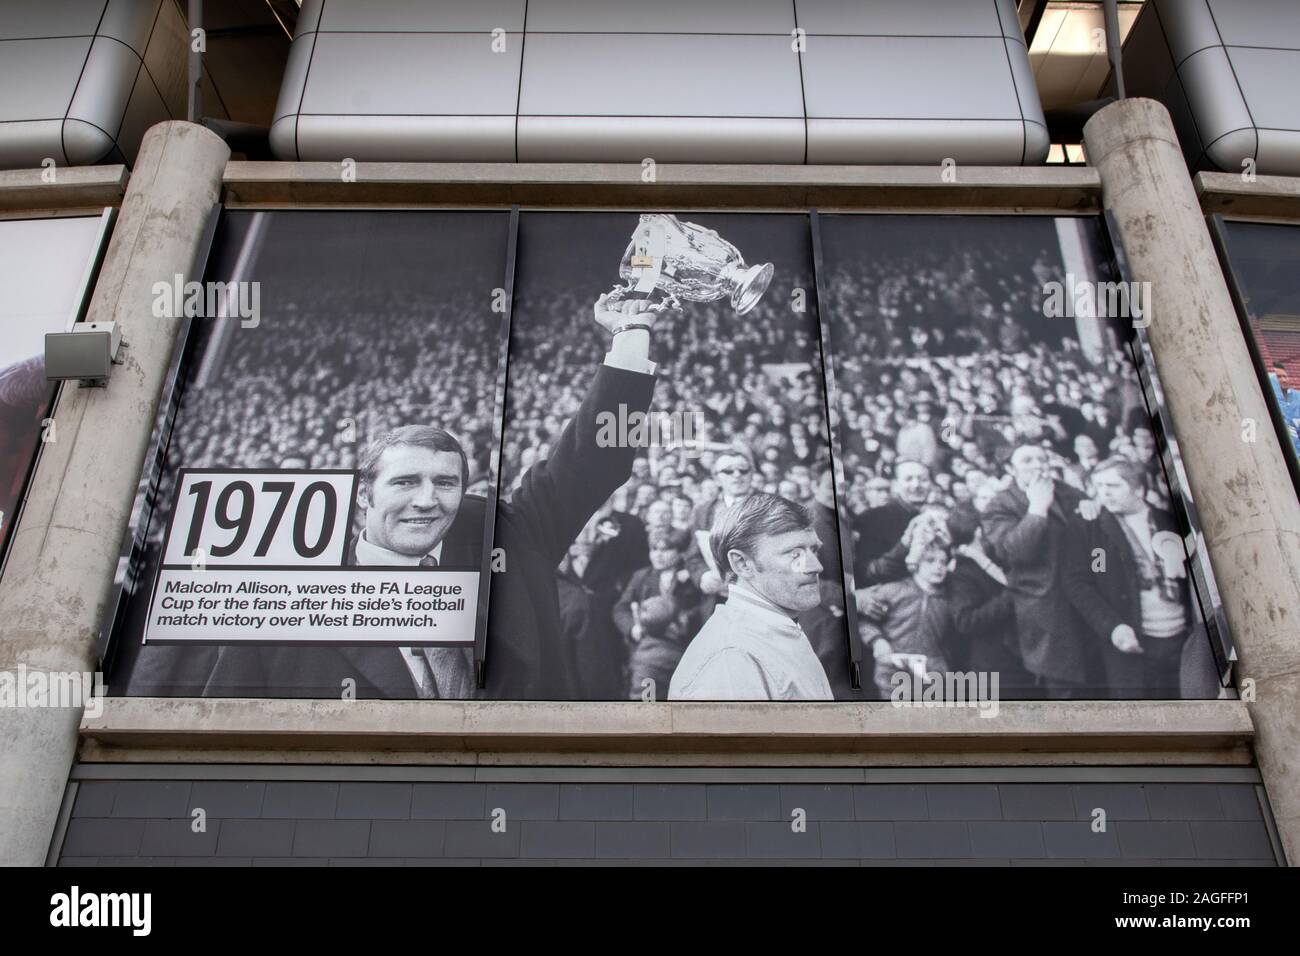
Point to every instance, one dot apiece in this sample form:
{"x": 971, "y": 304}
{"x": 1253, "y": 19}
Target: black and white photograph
{"x": 650, "y": 606}
{"x": 1008, "y": 507}
{"x": 347, "y": 425}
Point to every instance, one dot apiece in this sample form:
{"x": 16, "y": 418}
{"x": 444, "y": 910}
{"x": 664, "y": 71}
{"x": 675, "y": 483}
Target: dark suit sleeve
{"x": 974, "y": 612}
{"x": 890, "y": 566}
{"x": 1015, "y": 540}
{"x": 1083, "y": 585}
{"x": 558, "y": 495}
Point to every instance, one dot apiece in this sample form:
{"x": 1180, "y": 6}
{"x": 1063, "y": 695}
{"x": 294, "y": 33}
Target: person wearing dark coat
{"x": 1031, "y": 528}
{"x": 527, "y": 656}
{"x": 878, "y": 554}
{"x": 658, "y": 614}
{"x": 983, "y": 610}
{"x": 1131, "y": 585}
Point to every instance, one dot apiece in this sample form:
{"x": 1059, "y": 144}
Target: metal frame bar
{"x": 838, "y": 484}
{"x": 498, "y": 451}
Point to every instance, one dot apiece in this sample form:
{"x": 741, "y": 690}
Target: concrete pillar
{"x": 1247, "y": 503}
{"x": 65, "y": 548}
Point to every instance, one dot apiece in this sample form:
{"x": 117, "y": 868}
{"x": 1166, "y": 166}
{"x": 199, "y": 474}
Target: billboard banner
{"x": 742, "y": 456}
{"x": 1264, "y": 267}
{"x": 47, "y": 267}
{"x": 243, "y": 557}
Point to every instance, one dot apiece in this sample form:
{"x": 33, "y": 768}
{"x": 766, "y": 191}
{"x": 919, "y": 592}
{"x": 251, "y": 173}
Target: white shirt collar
{"x": 748, "y": 601}
{"x": 372, "y": 554}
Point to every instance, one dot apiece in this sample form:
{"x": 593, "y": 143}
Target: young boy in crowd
{"x": 659, "y": 613}
{"x": 916, "y": 630}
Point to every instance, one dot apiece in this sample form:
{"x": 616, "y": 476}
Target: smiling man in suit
{"x": 412, "y": 488}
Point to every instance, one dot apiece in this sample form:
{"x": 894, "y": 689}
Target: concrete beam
{"x": 1248, "y": 507}
{"x": 897, "y": 188}
{"x": 1267, "y": 197}
{"x": 1041, "y": 727}
{"x": 66, "y": 545}
{"x": 74, "y": 187}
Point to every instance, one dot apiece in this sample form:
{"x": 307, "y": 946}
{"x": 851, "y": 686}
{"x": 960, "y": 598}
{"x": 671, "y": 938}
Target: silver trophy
{"x": 681, "y": 260}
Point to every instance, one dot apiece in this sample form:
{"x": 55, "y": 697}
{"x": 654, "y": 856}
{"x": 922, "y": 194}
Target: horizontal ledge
{"x": 1071, "y": 189}
{"x": 74, "y": 187}
{"x": 1275, "y": 197}
{"x": 505, "y": 726}
{"x": 522, "y": 773}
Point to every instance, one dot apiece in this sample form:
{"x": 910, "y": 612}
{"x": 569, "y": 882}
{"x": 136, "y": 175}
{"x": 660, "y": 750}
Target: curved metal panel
{"x": 412, "y": 74}
{"x": 1232, "y": 88}
{"x": 725, "y": 76}
{"x": 895, "y": 142}
{"x": 964, "y": 18}
{"x": 717, "y": 82}
{"x": 662, "y": 138}
{"x": 80, "y": 80}
{"x": 663, "y": 16}
{"x": 405, "y": 138}
{"x": 412, "y": 16}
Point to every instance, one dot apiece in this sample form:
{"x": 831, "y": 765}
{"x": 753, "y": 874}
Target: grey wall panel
{"x": 406, "y": 138}
{"x": 664, "y": 139}
{"x": 876, "y": 78}
{"x": 132, "y": 21}
{"x": 284, "y": 138}
{"x": 1188, "y": 26}
{"x": 1270, "y": 81}
{"x": 687, "y": 81}
{"x": 901, "y": 17}
{"x": 295, "y": 77}
{"x": 1212, "y": 90}
{"x": 436, "y": 16}
{"x": 899, "y": 142}
{"x": 167, "y": 60}
{"x": 308, "y": 17}
{"x": 84, "y": 143}
{"x": 25, "y": 144}
{"x": 37, "y": 77}
{"x": 142, "y": 111}
{"x": 1278, "y": 151}
{"x": 412, "y": 74}
{"x": 660, "y": 75}
{"x": 101, "y": 99}
{"x": 1230, "y": 151}
{"x": 1257, "y": 23}
{"x": 78, "y": 63}
{"x": 1037, "y": 140}
{"x": 662, "y": 16}
{"x": 1237, "y": 70}
{"x": 33, "y": 19}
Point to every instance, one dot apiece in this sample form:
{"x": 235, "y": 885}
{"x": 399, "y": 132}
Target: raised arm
{"x": 558, "y": 495}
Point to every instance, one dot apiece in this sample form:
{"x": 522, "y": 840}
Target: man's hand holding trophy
{"x": 668, "y": 261}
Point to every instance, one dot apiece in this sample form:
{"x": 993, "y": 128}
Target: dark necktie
{"x": 428, "y": 561}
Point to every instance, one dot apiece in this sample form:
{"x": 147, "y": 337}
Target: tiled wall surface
{"x": 342, "y": 823}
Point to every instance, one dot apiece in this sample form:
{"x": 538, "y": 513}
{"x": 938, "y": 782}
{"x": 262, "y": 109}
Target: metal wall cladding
{"x": 772, "y": 81}
{"x": 81, "y": 80}
{"x": 1227, "y": 72}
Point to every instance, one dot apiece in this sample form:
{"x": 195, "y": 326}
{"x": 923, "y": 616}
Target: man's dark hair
{"x": 421, "y": 436}
{"x": 761, "y": 515}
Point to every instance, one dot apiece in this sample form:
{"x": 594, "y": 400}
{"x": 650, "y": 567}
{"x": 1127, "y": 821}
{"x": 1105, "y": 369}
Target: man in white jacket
{"x": 753, "y": 648}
